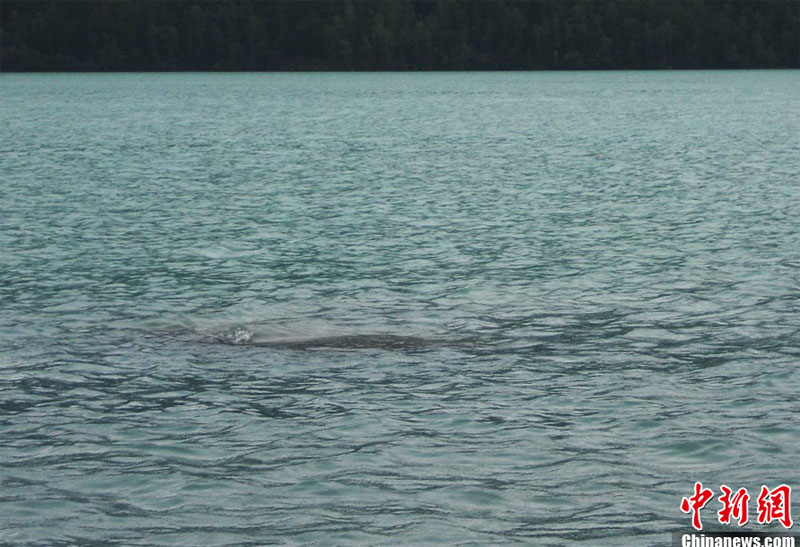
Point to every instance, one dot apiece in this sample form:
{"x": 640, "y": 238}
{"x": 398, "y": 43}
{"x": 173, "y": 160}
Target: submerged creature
{"x": 264, "y": 338}
{"x": 345, "y": 342}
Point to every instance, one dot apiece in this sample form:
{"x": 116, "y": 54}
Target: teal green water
{"x": 381, "y": 309}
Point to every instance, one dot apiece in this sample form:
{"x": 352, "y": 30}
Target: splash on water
{"x": 241, "y": 336}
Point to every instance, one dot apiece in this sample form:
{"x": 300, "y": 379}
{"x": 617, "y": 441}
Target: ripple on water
{"x": 436, "y": 307}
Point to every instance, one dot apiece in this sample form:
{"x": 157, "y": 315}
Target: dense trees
{"x": 397, "y": 34}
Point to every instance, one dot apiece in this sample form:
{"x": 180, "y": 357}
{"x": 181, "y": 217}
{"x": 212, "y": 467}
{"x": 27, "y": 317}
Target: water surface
{"x": 486, "y": 308}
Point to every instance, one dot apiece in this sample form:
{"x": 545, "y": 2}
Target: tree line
{"x": 156, "y": 35}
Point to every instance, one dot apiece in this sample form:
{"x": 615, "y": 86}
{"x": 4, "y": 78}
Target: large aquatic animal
{"x": 342, "y": 342}
{"x": 269, "y": 338}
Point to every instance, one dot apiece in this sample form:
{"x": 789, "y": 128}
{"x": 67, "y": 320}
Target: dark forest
{"x": 397, "y": 35}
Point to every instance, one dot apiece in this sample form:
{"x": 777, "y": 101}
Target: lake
{"x": 394, "y": 308}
